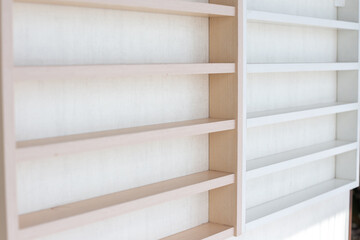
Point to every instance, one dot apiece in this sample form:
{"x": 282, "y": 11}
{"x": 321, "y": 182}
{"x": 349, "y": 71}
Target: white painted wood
{"x": 327, "y": 132}
{"x": 290, "y": 114}
{"x": 207, "y": 231}
{"x": 290, "y": 90}
{"x": 263, "y": 189}
{"x": 300, "y": 53}
{"x": 290, "y": 159}
{"x": 268, "y": 17}
{"x": 274, "y": 43}
{"x": 311, "y": 8}
{"x": 139, "y": 226}
{"x": 45, "y": 108}
{"x": 329, "y": 223}
{"x": 347, "y": 86}
{"x": 340, "y": 3}
{"x": 80, "y": 36}
{"x": 347, "y": 123}
{"x": 349, "y": 12}
{"x": 156, "y": 6}
{"x": 9, "y": 222}
{"x": 95, "y": 141}
{"x": 347, "y": 49}
{"x": 262, "y": 141}
{"x": 270, "y": 211}
{"x": 346, "y": 165}
{"x": 244, "y": 113}
{"x": 60, "y": 218}
{"x": 117, "y": 71}
{"x": 301, "y": 67}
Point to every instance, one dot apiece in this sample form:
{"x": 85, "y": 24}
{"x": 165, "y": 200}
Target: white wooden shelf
{"x": 156, "y": 6}
{"x": 268, "y": 17}
{"x": 76, "y": 214}
{"x": 48, "y": 73}
{"x": 50, "y": 147}
{"x": 272, "y": 210}
{"x": 301, "y": 67}
{"x": 290, "y": 159}
{"x": 207, "y": 231}
{"x": 257, "y": 119}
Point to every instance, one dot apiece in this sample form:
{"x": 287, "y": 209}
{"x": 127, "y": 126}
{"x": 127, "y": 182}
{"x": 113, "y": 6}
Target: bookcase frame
{"x": 227, "y": 124}
{"x": 345, "y": 148}
{"x": 224, "y": 125}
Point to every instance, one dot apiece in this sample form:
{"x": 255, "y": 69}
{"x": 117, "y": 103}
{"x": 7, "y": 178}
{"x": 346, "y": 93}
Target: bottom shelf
{"x": 56, "y": 219}
{"x": 207, "y": 231}
{"x": 283, "y": 206}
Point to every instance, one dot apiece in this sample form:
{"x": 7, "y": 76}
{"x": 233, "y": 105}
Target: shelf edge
{"x": 52, "y": 147}
{"x": 298, "y": 161}
{"x": 207, "y": 231}
{"x": 278, "y": 18}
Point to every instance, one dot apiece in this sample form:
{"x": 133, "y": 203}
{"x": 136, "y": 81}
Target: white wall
{"x": 63, "y": 35}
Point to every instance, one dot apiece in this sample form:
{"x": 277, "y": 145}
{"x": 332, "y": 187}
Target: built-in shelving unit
{"x": 223, "y": 178}
{"x": 284, "y": 71}
{"x": 231, "y": 123}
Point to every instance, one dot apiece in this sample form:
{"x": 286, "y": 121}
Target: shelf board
{"x": 55, "y": 146}
{"x": 268, "y": 17}
{"x": 48, "y": 73}
{"x": 207, "y": 231}
{"x": 155, "y": 6}
{"x": 80, "y": 213}
{"x": 262, "y": 118}
{"x": 290, "y": 159}
{"x": 301, "y": 67}
{"x": 275, "y": 209}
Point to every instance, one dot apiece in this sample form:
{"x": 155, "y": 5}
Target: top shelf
{"x": 259, "y": 16}
{"x": 156, "y": 6}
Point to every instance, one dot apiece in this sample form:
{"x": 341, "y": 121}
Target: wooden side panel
{"x": 8, "y": 209}
{"x": 226, "y": 102}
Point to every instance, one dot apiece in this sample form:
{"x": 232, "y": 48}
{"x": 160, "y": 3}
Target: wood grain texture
{"x": 8, "y": 199}
{"x": 50, "y": 147}
{"x": 226, "y": 102}
{"x": 156, "y": 6}
{"x": 112, "y": 71}
{"x": 84, "y": 212}
{"x": 207, "y": 231}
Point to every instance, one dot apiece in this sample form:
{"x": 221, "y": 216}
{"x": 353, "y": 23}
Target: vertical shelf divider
{"x": 9, "y": 222}
{"x": 225, "y": 148}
